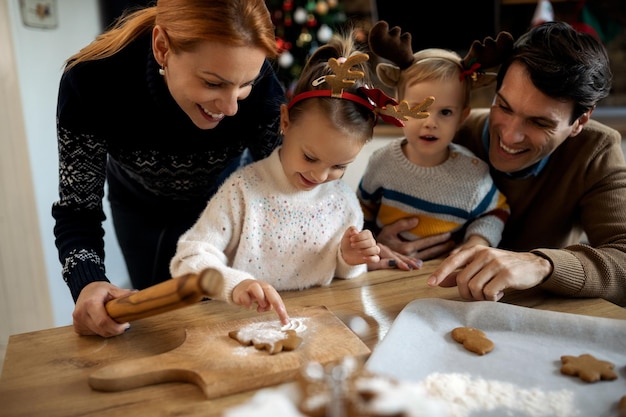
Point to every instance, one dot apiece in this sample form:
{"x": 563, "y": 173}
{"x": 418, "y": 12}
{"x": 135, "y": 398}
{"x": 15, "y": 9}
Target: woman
{"x": 163, "y": 106}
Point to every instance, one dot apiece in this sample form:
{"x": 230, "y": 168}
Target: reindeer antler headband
{"x": 484, "y": 56}
{"x": 377, "y": 101}
{"x": 395, "y": 46}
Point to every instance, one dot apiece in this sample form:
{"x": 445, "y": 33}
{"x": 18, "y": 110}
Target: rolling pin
{"x": 166, "y": 296}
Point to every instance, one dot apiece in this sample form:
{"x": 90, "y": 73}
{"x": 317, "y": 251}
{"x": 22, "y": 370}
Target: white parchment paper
{"x": 528, "y": 346}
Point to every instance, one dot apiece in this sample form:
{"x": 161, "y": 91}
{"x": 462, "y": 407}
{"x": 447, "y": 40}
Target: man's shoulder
{"x": 595, "y": 142}
{"x": 593, "y": 139}
{"x": 597, "y": 130}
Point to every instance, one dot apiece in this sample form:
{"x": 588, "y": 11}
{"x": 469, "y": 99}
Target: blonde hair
{"x": 434, "y": 64}
{"x": 187, "y": 23}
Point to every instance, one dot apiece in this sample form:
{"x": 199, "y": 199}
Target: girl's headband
{"x": 375, "y": 99}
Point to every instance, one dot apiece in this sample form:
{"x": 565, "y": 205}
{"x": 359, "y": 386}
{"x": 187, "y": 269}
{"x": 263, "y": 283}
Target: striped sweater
{"x": 446, "y": 198}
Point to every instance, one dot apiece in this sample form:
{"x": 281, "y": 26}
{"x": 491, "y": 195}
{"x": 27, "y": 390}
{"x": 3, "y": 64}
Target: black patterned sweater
{"x": 116, "y": 121}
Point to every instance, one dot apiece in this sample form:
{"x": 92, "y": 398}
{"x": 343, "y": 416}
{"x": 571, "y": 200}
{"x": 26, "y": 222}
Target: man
{"x": 563, "y": 174}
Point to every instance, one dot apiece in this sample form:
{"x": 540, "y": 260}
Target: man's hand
{"x": 473, "y": 240}
{"x": 90, "y": 316}
{"x": 424, "y": 248}
{"x": 251, "y": 291}
{"x": 484, "y": 273}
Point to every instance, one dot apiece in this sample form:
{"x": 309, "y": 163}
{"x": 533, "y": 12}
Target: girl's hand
{"x": 359, "y": 247}
{"x": 251, "y": 291}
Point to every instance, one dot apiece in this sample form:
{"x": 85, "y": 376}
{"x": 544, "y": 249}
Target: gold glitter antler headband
{"x": 377, "y": 101}
{"x": 344, "y": 76}
{"x": 403, "y": 111}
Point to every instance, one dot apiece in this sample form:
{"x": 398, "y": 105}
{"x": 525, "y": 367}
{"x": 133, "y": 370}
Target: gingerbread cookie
{"x": 473, "y": 340}
{"x": 267, "y": 336}
{"x": 587, "y": 368}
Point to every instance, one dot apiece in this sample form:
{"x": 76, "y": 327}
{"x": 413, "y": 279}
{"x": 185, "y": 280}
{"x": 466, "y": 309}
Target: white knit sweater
{"x": 258, "y": 225}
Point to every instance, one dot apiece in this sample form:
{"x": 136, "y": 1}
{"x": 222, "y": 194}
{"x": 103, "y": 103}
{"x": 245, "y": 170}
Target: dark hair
{"x": 563, "y": 64}
{"x": 344, "y": 114}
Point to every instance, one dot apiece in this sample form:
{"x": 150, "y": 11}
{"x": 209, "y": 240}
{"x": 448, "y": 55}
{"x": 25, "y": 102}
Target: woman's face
{"x": 208, "y": 82}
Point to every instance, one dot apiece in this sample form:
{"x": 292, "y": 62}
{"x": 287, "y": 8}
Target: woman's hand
{"x": 251, "y": 291}
{"x": 90, "y": 316}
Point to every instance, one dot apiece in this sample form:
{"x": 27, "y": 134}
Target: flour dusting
{"x": 296, "y": 324}
{"x": 269, "y": 331}
{"x": 465, "y": 395}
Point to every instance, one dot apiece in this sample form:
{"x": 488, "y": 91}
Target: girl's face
{"x": 314, "y": 151}
{"x": 208, "y": 82}
{"x": 428, "y": 138}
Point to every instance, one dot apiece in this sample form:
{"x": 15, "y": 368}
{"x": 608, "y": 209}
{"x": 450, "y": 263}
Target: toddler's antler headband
{"x": 377, "y": 101}
{"x": 484, "y": 56}
{"x": 395, "y": 46}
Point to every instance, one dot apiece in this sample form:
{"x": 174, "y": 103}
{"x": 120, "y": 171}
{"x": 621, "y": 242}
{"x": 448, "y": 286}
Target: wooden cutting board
{"x": 221, "y": 366}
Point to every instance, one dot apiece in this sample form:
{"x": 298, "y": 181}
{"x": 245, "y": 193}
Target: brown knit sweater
{"x": 581, "y": 189}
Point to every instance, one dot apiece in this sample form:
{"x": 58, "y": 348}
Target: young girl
{"x": 289, "y": 220}
{"x": 424, "y": 174}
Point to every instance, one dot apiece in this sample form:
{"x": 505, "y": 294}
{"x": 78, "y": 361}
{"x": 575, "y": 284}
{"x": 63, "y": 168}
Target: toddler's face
{"x": 428, "y": 138}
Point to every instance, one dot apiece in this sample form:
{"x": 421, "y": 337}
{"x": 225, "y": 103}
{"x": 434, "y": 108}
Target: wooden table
{"x": 46, "y": 372}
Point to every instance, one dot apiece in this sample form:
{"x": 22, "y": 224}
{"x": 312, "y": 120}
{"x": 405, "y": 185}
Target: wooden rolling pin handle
{"x": 166, "y": 296}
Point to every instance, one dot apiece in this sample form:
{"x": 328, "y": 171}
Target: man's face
{"x": 525, "y": 124}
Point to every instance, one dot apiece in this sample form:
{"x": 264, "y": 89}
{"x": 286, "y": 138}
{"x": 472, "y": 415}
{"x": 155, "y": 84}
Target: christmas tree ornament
{"x": 324, "y": 33}
{"x": 300, "y": 16}
{"x": 285, "y": 60}
{"x": 321, "y": 8}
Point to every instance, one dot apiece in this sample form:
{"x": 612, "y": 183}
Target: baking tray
{"x": 521, "y": 376}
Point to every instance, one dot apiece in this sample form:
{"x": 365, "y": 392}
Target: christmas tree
{"x": 301, "y": 27}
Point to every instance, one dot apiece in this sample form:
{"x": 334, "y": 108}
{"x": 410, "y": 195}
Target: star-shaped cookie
{"x": 587, "y": 368}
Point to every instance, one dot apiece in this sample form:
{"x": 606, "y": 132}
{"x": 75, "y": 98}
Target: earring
{"x": 162, "y": 71}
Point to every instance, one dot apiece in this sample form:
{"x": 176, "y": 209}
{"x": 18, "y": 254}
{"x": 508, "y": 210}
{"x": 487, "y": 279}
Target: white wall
{"x": 355, "y": 169}
{"x": 40, "y": 54}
